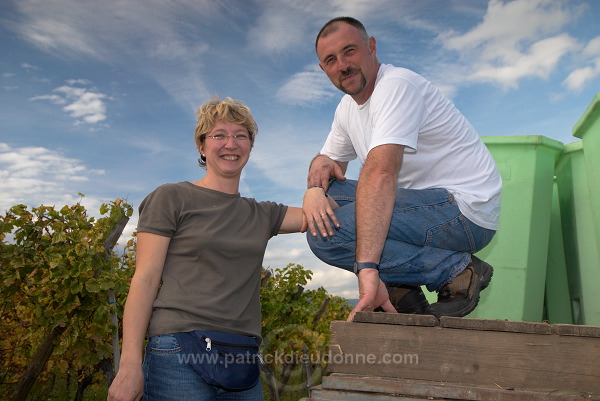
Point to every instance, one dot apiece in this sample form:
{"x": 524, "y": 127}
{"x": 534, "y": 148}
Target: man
{"x": 428, "y": 195}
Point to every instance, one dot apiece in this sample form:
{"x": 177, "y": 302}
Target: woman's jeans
{"x": 167, "y": 376}
{"x": 429, "y": 241}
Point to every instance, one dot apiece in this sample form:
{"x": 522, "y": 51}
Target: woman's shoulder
{"x": 168, "y": 191}
{"x": 266, "y": 207}
{"x": 172, "y": 187}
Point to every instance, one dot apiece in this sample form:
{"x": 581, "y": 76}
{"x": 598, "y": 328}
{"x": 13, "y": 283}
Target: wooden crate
{"x": 452, "y": 357}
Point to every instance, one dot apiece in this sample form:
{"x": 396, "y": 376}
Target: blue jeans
{"x": 429, "y": 241}
{"x": 167, "y": 378}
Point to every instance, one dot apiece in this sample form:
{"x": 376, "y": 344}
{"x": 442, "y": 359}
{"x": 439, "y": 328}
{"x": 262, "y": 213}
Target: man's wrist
{"x": 358, "y": 266}
{"x": 313, "y": 160}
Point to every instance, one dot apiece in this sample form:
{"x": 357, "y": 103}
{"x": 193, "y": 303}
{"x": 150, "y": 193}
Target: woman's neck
{"x": 228, "y": 186}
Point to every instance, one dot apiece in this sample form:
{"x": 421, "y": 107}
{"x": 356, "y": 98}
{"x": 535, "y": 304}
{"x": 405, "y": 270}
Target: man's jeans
{"x": 168, "y": 377}
{"x": 429, "y": 241}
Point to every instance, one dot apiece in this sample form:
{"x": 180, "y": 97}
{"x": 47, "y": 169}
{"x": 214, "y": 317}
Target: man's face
{"x": 349, "y": 62}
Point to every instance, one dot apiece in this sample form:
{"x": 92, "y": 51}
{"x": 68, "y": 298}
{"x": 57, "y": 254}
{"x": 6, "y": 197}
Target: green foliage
{"x": 295, "y": 321}
{"x": 55, "y": 271}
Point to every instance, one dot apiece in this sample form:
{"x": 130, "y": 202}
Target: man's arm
{"x": 375, "y": 197}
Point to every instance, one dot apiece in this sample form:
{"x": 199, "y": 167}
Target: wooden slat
{"x": 396, "y": 318}
{"x": 495, "y": 325}
{"x": 505, "y": 359}
{"x": 321, "y": 394}
{"x": 576, "y": 330}
{"x": 341, "y": 384}
{"x": 477, "y": 324}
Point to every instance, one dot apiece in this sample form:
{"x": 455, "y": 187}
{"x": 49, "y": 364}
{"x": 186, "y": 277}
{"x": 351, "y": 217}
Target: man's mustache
{"x": 349, "y": 71}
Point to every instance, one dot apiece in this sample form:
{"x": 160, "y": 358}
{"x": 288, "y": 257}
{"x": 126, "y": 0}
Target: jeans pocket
{"x": 163, "y": 344}
{"x": 453, "y": 235}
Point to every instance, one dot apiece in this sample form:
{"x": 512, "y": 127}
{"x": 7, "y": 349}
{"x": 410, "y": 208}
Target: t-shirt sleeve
{"x": 338, "y": 145}
{"x": 158, "y": 212}
{"x": 398, "y": 108}
{"x": 275, "y": 213}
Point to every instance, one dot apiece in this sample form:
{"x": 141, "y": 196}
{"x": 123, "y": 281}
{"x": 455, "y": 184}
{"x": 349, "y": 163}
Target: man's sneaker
{"x": 459, "y": 296}
{"x": 407, "y": 299}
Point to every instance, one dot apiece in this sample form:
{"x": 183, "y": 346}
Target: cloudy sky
{"x": 98, "y": 97}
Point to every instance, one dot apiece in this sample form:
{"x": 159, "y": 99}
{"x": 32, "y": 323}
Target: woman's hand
{"x": 318, "y": 210}
{"x": 128, "y": 385}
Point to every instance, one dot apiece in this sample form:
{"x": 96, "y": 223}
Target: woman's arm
{"x": 318, "y": 209}
{"x": 294, "y": 220}
{"x": 150, "y": 258}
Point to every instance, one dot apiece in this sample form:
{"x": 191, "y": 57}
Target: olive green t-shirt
{"x": 211, "y": 276}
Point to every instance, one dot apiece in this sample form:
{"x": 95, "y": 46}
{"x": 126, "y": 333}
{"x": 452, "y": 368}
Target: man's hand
{"x": 317, "y": 210}
{"x": 372, "y": 293}
{"x": 322, "y": 168}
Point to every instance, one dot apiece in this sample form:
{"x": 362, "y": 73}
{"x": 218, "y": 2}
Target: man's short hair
{"x": 332, "y": 26}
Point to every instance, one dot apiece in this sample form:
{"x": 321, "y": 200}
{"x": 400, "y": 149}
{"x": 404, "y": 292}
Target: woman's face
{"x": 226, "y": 149}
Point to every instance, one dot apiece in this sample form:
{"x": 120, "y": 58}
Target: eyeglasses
{"x": 236, "y": 138}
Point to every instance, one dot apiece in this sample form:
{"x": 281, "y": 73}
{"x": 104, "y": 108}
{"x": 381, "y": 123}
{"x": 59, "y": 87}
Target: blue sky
{"x": 98, "y": 97}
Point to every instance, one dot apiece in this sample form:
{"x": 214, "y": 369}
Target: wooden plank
{"x": 422, "y": 390}
{"x": 505, "y": 359}
{"x": 342, "y": 395}
{"x": 396, "y": 318}
{"x": 576, "y": 330}
{"x": 495, "y": 325}
{"x": 477, "y": 324}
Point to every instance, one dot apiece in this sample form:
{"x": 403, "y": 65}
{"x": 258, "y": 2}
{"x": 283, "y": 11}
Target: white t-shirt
{"x": 443, "y": 150}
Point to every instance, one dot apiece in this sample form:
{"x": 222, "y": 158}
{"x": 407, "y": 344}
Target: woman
{"x": 200, "y": 247}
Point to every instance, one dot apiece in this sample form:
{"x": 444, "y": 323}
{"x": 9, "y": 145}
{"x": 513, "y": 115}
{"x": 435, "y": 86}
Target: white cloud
{"x": 29, "y": 67}
{"x": 503, "y": 53}
{"x": 538, "y": 61}
{"x": 337, "y": 281}
{"x": 82, "y": 104}
{"x": 154, "y": 38}
{"x": 578, "y": 78}
{"x": 37, "y": 175}
{"x": 55, "y": 99}
{"x": 277, "y": 30}
{"x": 79, "y": 81}
{"x": 529, "y": 19}
{"x": 293, "y": 248}
{"x": 592, "y": 49}
{"x": 278, "y": 167}
{"x": 307, "y": 88}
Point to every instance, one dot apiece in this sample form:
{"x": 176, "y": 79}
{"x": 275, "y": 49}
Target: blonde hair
{"x": 215, "y": 110}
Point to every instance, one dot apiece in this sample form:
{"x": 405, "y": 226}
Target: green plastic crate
{"x": 588, "y": 129}
{"x": 580, "y": 234}
{"x": 519, "y": 251}
{"x": 558, "y": 298}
